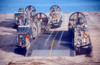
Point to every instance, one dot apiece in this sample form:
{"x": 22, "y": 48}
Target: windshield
{"x": 23, "y": 29}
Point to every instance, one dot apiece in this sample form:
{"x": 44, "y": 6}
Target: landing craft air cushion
{"x": 55, "y": 16}
{"x": 31, "y": 28}
{"x": 25, "y": 28}
{"x": 78, "y": 27}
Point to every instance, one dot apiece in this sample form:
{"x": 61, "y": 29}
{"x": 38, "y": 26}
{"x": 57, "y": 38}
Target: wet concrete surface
{"x": 62, "y": 45}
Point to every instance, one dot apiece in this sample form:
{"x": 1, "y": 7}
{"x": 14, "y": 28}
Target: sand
{"x": 8, "y": 40}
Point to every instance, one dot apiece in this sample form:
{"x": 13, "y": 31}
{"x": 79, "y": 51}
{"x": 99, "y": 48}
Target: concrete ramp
{"x": 47, "y": 52}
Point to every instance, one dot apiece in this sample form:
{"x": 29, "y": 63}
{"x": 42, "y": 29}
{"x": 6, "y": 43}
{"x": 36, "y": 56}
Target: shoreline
{"x": 62, "y": 12}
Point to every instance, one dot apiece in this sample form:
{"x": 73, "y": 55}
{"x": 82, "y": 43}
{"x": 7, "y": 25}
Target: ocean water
{"x": 11, "y": 6}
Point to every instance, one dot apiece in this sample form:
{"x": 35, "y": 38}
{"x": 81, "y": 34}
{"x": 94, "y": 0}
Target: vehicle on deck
{"x": 55, "y": 16}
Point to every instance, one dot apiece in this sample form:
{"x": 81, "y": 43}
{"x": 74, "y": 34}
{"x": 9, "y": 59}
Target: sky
{"x": 11, "y": 6}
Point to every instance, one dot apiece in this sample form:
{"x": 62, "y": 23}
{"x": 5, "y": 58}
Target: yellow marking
{"x": 52, "y": 44}
{"x": 29, "y": 16}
